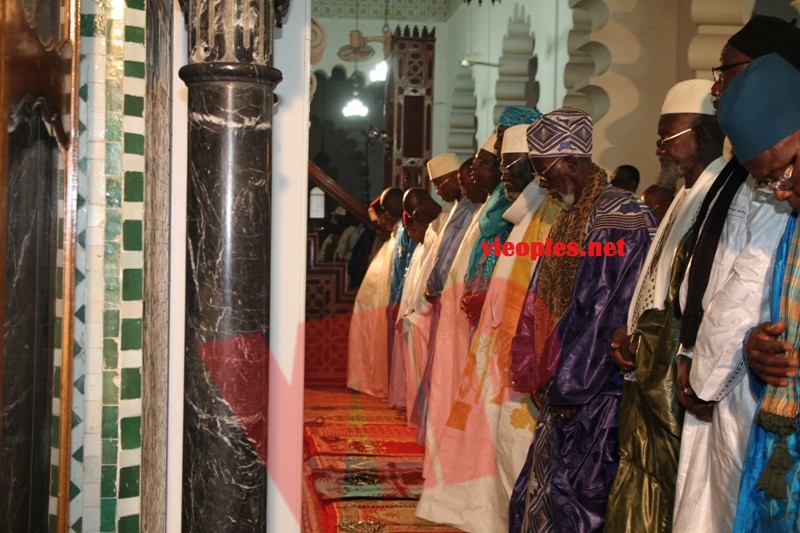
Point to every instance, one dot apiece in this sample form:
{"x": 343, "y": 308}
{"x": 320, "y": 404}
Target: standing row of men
{"x": 653, "y": 389}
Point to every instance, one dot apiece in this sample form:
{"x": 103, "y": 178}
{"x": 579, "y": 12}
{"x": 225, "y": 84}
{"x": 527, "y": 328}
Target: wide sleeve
{"x": 740, "y": 303}
{"x": 523, "y": 357}
{"x": 603, "y": 290}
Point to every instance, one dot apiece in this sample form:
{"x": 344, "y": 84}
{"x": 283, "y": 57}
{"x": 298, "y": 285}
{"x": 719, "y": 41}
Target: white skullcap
{"x": 690, "y": 96}
{"x": 515, "y": 140}
{"x": 488, "y": 144}
{"x": 442, "y": 164}
{"x": 341, "y": 211}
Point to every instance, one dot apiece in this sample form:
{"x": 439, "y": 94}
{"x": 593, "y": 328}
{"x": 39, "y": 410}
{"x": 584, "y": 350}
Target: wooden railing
{"x": 337, "y": 192}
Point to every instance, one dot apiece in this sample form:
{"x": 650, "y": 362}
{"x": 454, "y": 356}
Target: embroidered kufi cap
{"x": 565, "y": 131}
{"x": 513, "y": 116}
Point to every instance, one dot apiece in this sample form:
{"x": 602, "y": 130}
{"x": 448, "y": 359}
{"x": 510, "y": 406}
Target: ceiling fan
{"x": 469, "y": 60}
{"x": 359, "y": 49}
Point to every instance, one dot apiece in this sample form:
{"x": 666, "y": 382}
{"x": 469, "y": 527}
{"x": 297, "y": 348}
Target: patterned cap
{"x": 513, "y": 116}
{"x": 565, "y": 131}
{"x": 754, "y": 118}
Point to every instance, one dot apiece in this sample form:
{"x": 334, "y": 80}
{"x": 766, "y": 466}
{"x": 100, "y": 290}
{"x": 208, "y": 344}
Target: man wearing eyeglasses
{"x": 444, "y": 170}
{"x": 560, "y": 353}
{"x": 760, "y": 36}
{"x": 764, "y": 128}
{"x": 488, "y": 421}
{"x": 736, "y": 241}
{"x": 689, "y": 146}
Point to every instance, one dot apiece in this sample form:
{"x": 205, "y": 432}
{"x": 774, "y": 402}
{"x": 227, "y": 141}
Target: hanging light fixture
{"x": 355, "y": 107}
{"x": 479, "y": 2}
{"x": 381, "y": 69}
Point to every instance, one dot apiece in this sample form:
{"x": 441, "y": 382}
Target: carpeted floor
{"x": 363, "y": 468}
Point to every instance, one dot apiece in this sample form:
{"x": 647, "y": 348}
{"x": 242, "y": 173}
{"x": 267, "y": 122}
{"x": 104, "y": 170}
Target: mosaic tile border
{"x": 106, "y": 479}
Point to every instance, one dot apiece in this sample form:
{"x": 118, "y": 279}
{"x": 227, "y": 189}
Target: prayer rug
{"x": 385, "y": 516}
{"x": 363, "y": 468}
{"x": 348, "y": 407}
{"x": 361, "y": 440}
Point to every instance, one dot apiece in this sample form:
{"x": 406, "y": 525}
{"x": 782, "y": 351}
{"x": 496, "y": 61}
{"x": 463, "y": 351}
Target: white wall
{"x": 549, "y": 21}
{"x": 288, "y": 271}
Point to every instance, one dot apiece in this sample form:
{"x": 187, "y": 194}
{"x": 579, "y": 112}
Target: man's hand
{"x": 702, "y": 409}
{"x": 430, "y": 296}
{"x": 763, "y": 349}
{"x": 564, "y": 412}
{"x": 472, "y": 304}
{"x": 538, "y": 397}
{"x": 621, "y": 350}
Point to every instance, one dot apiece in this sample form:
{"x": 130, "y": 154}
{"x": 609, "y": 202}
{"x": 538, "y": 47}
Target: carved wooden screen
{"x": 409, "y": 107}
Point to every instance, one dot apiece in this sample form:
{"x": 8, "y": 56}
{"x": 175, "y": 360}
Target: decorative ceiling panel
{"x": 416, "y": 10}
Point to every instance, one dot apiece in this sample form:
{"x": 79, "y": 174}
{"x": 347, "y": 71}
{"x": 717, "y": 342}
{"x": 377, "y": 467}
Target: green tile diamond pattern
{"x": 109, "y": 277}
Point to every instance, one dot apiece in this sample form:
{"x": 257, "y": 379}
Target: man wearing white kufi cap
{"x": 689, "y": 146}
{"x": 489, "y": 422}
{"x": 443, "y": 172}
{"x": 450, "y": 346}
{"x": 515, "y": 169}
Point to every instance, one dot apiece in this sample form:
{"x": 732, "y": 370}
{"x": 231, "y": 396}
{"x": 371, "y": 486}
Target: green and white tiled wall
{"x": 107, "y": 404}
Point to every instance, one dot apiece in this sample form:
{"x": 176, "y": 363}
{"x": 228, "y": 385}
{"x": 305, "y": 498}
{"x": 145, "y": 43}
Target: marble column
{"x": 230, "y": 84}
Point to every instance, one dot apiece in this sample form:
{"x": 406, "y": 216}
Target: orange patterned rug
{"x": 363, "y": 470}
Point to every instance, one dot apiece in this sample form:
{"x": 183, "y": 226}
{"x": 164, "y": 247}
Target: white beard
{"x": 670, "y": 174}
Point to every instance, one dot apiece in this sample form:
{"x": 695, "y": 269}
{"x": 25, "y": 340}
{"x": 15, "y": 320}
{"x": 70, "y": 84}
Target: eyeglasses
{"x": 784, "y": 183}
{"x": 661, "y": 143}
{"x": 719, "y": 72}
{"x": 438, "y": 184}
{"x": 505, "y": 168}
{"x": 541, "y": 176}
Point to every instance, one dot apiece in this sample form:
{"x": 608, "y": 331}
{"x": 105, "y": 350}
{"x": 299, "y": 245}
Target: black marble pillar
{"x": 26, "y": 357}
{"x": 227, "y": 280}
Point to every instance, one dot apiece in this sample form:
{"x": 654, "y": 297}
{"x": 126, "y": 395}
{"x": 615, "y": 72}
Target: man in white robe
{"x": 648, "y": 406}
{"x": 712, "y": 381}
{"x": 493, "y": 424}
{"x": 424, "y": 220}
{"x": 367, "y": 349}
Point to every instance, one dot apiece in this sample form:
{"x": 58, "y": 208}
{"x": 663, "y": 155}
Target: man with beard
{"x": 561, "y": 350}
{"x": 689, "y": 146}
{"x": 490, "y": 423}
